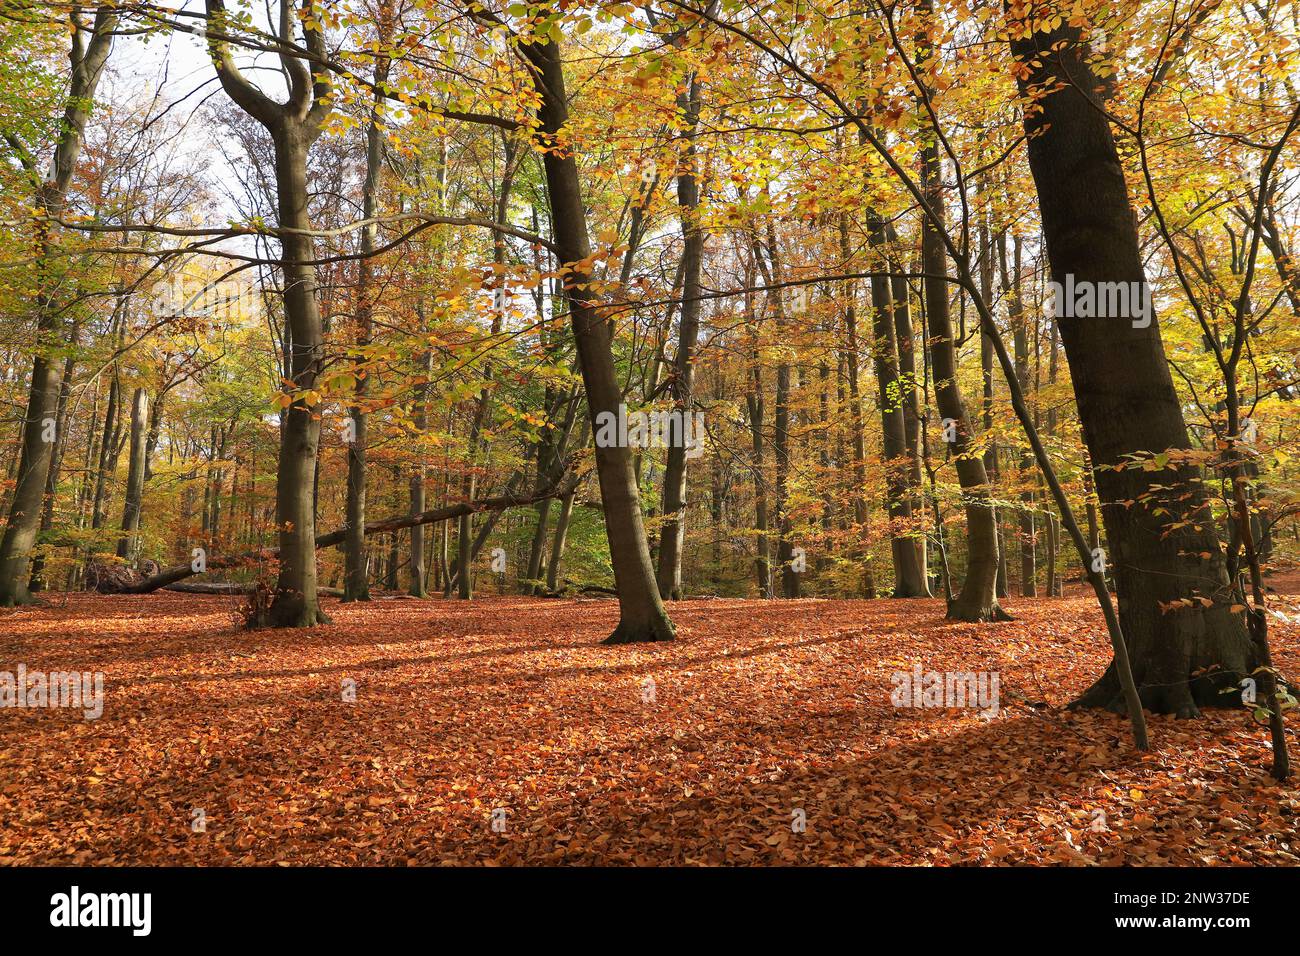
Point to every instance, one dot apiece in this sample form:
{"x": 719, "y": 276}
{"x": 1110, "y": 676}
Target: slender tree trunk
{"x": 356, "y": 578}
{"x": 560, "y": 539}
{"x": 774, "y": 276}
{"x": 135, "y": 474}
{"x": 909, "y": 581}
{"x": 1011, "y": 287}
{"x": 108, "y": 452}
{"x": 756, "y": 406}
{"x": 986, "y": 374}
{"x": 673, "y": 530}
{"x": 977, "y": 600}
{"x": 906, "y": 344}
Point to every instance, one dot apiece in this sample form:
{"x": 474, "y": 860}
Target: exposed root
{"x": 643, "y": 632}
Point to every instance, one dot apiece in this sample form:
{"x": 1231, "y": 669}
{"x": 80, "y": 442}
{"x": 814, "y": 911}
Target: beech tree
{"x": 91, "y": 43}
{"x": 293, "y": 125}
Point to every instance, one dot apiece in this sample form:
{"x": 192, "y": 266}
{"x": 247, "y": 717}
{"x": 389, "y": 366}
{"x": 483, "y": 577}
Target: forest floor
{"x": 760, "y": 710}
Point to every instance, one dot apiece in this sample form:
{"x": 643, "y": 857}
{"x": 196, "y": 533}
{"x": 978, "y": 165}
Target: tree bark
{"x": 672, "y": 532}
{"x": 1181, "y": 658}
{"x": 87, "y": 61}
{"x": 909, "y": 580}
{"x": 356, "y": 577}
{"x": 642, "y": 616}
{"x": 294, "y": 126}
{"x": 135, "y": 474}
{"x": 977, "y": 600}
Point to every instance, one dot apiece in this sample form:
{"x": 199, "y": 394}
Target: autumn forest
{"x": 689, "y": 432}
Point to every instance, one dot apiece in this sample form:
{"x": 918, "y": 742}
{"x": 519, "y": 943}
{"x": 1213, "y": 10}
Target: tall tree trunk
{"x": 977, "y": 600}
{"x": 293, "y": 126}
{"x": 909, "y": 580}
{"x": 672, "y": 533}
{"x": 1011, "y": 289}
{"x": 906, "y": 344}
{"x": 418, "y": 587}
{"x": 1181, "y": 659}
{"x": 135, "y": 474}
{"x": 774, "y": 276}
{"x": 38, "y": 582}
{"x": 356, "y": 578}
{"x": 108, "y": 452}
{"x": 642, "y": 616}
{"x": 88, "y": 57}
{"x": 986, "y": 374}
{"x": 756, "y": 406}
{"x": 561, "y": 536}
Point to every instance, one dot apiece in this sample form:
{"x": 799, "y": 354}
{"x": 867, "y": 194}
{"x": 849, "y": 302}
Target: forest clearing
{"x": 449, "y": 450}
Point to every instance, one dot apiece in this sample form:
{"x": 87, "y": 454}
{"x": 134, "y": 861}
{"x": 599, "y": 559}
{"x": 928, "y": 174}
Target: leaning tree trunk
{"x": 642, "y": 616}
{"x": 1158, "y": 523}
{"x": 977, "y": 600}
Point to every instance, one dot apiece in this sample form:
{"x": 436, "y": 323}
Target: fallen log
{"x": 568, "y": 586}
{"x": 567, "y": 482}
{"x": 234, "y": 589}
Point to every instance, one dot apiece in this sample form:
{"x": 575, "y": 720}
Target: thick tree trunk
{"x": 293, "y": 127}
{"x": 1164, "y": 548}
{"x": 38, "y": 582}
{"x": 295, "y": 603}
